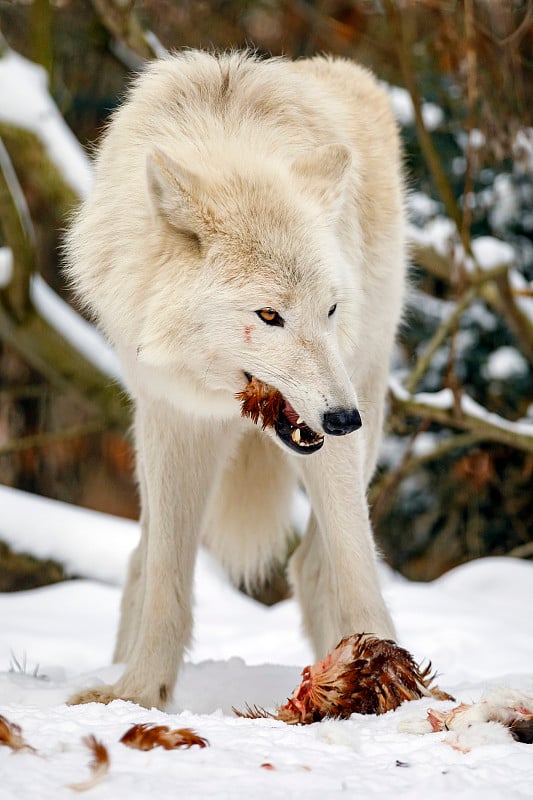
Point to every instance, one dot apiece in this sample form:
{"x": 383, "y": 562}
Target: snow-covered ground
{"x": 474, "y": 623}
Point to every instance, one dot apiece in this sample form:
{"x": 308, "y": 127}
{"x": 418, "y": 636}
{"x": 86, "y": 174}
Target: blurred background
{"x": 455, "y": 476}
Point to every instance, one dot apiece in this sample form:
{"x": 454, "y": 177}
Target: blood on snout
{"x": 248, "y": 333}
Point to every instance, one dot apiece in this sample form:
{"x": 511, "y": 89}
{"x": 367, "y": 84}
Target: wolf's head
{"x": 253, "y": 282}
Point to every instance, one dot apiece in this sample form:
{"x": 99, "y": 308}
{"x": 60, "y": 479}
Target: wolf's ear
{"x": 325, "y": 171}
{"x": 175, "y": 192}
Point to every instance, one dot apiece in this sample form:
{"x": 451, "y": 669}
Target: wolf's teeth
{"x": 299, "y": 421}
{"x": 295, "y": 436}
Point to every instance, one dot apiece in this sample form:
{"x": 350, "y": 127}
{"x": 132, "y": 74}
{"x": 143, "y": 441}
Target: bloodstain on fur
{"x": 248, "y": 334}
{"x": 261, "y": 402}
{"x": 363, "y": 674}
{"x": 146, "y": 737}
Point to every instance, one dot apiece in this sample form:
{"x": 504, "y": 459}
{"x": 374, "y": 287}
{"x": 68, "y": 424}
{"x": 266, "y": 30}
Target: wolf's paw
{"x": 106, "y": 694}
{"x": 100, "y": 694}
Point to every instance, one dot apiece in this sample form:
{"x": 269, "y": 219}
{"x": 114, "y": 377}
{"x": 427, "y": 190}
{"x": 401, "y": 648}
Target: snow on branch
{"x": 469, "y": 416}
{"x": 47, "y": 334}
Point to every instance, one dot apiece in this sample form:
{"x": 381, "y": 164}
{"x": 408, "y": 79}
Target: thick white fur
{"x": 226, "y": 185}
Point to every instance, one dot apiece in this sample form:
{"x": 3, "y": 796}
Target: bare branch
{"x": 29, "y": 334}
{"x": 44, "y": 439}
{"x": 404, "y": 47}
{"x": 18, "y": 234}
{"x": 438, "y": 338}
{"x": 133, "y": 44}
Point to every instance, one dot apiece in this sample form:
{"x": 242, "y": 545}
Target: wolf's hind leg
{"x": 249, "y": 522}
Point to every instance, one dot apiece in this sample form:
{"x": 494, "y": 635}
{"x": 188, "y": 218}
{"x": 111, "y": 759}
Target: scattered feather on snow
{"x": 474, "y": 622}
{"x": 11, "y": 736}
{"x": 98, "y": 766}
{"x": 502, "y": 715}
{"x": 145, "y": 737}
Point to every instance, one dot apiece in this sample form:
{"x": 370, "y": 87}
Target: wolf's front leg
{"x": 133, "y": 593}
{"x": 181, "y": 461}
{"x": 334, "y": 569}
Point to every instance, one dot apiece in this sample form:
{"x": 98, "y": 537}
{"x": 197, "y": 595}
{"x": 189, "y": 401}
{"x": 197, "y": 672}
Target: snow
{"x": 27, "y": 104}
{"x": 422, "y": 206}
{"x": 80, "y": 541}
{"x": 474, "y": 623}
{"x": 474, "y": 409}
{"x": 6, "y": 266}
{"x": 439, "y": 233}
{"x": 477, "y": 139}
{"x": 502, "y": 200}
{"x": 492, "y": 253}
{"x": 80, "y": 333}
{"x": 505, "y": 363}
{"x": 402, "y": 106}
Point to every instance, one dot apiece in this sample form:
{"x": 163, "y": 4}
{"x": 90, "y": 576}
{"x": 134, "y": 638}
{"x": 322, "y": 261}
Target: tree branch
{"x": 28, "y": 333}
{"x": 120, "y": 20}
{"x": 44, "y": 439}
{"x": 404, "y": 48}
{"x": 18, "y": 235}
{"x": 439, "y": 407}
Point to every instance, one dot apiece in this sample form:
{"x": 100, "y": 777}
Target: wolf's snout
{"x": 341, "y": 421}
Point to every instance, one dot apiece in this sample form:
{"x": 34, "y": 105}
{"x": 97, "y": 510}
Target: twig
{"x": 520, "y": 323}
{"x": 120, "y": 19}
{"x": 424, "y": 361}
{"x": 44, "y": 439}
{"x": 472, "y": 96}
{"x": 384, "y": 490}
{"x": 522, "y": 551}
{"x": 431, "y": 156}
{"x": 33, "y": 390}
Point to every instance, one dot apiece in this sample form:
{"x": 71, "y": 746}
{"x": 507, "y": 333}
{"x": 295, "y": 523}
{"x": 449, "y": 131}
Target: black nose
{"x": 341, "y": 421}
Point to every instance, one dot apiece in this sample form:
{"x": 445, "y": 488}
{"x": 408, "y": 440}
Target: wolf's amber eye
{"x": 271, "y": 317}
{"x": 332, "y": 310}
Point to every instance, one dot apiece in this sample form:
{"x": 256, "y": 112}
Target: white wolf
{"x": 247, "y": 219}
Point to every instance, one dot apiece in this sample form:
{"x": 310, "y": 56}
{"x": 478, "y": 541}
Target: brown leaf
{"x": 99, "y": 765}
{"x": 363, "y": 674}
{"x": 146, "y": 737}
{"x": 11, "y": 736}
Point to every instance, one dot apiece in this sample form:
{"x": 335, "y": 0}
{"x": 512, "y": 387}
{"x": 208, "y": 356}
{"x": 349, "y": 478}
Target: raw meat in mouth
{"x": 266, "y": 405}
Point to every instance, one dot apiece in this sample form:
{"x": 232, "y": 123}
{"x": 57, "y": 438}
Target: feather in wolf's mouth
{"x": 261, "y": 402}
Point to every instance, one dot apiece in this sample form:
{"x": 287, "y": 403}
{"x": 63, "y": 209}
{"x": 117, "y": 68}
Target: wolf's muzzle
{"x": 341, "y": 421}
